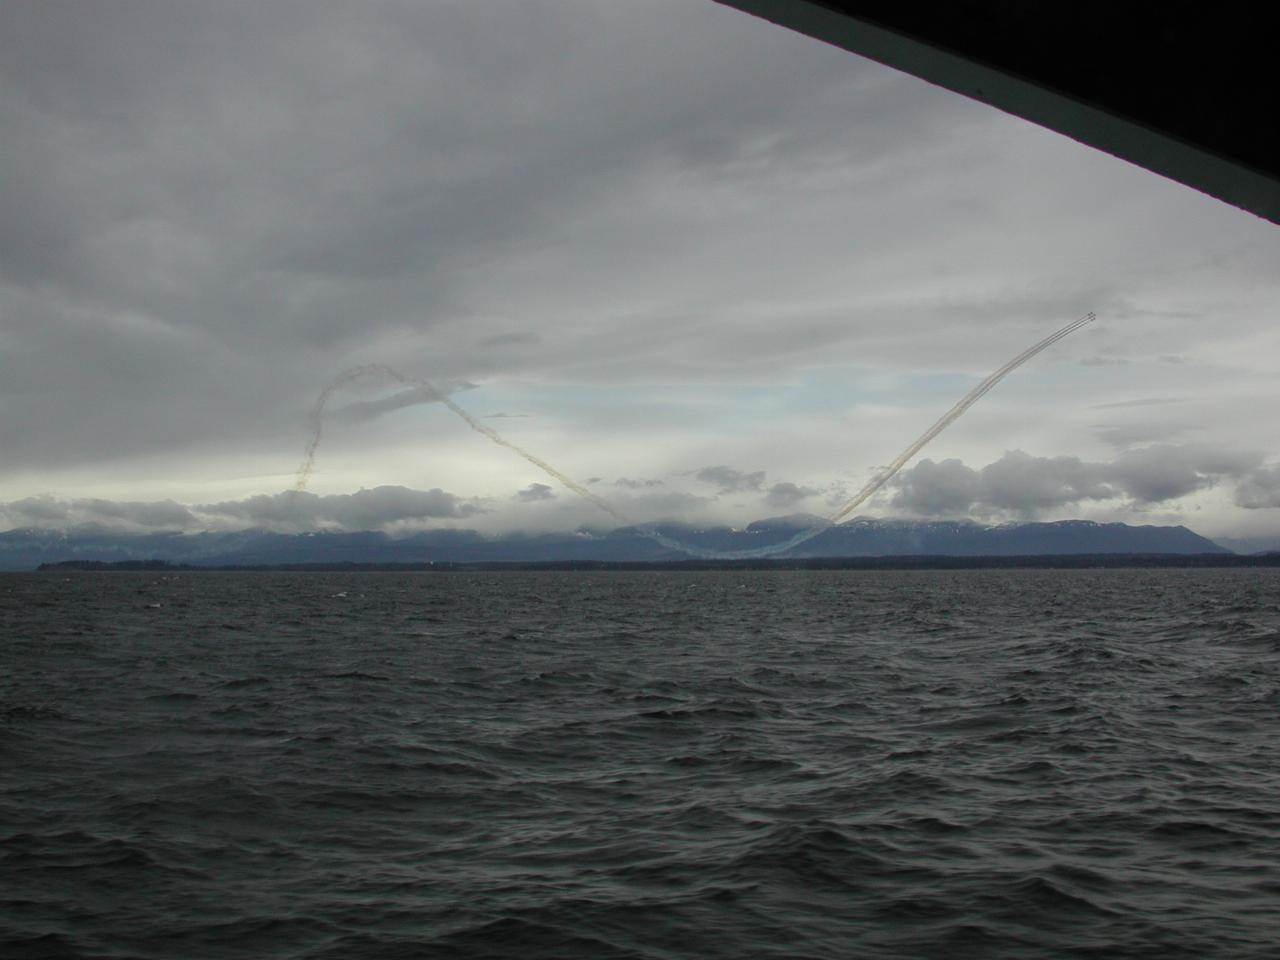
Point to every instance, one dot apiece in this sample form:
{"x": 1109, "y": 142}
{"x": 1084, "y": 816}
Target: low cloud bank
{"x": 1018, "y": 485}
{"x": 1021, "y": 484}
{"x": 381, "y": 508}
{"x": 51, "y": 513}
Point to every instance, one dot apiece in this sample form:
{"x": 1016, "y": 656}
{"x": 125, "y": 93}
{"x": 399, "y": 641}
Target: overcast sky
{"x": 707, "y": 268}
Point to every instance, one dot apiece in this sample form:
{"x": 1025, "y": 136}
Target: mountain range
{"x": 860, "y": 537}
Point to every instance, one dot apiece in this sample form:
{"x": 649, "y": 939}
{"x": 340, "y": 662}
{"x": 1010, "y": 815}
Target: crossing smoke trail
{"x": 430, "y": 393}
{"x": 316, "y": 416}
{"x": 948, "y": 418}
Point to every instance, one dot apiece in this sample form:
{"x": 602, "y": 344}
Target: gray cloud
{"x": 535, "y": 492}
{"x": 291, "y": 511}
{"x": 1144, "y": 402}
{"x": 567, "y": 512}
{"x": 518, "y": 339}
{"x": 730, "y": 480}
{"x": 628, "y": 484}
{"x": 1259, "y": 489}
{"x": 1126, "y": 435}
{"x": 937, "y": 489}
{"x": 1165, "y": 472}
{"x": 787, "y": 494}
{"x": 219, "y": 207}
{"x": 48, "y": 512}
{"x": 1021, "y": 484}
{"x": 373, "y": 509}
{"x": 1026, "y": 484}
{"x": 364, "y": 410}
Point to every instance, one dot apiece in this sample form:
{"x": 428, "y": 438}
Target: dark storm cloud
{"x": 1021, "y": 484}
{"x": 730, "y": 480}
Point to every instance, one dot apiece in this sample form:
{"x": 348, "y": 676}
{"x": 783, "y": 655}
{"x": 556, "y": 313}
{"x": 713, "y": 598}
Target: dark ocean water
{"x": 658, "y": 765}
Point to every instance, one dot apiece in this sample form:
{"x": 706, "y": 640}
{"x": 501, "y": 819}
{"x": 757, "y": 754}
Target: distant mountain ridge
{"x": 860, "y": 537}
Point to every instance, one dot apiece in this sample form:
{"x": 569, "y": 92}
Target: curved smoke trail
{"x": 316, "y": 416}
{"x": 901, "y": 460}
{"x": 430, "y": 393}
{"x": 952, "y": 415}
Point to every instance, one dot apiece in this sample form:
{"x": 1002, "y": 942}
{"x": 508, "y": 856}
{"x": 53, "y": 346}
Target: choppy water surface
{"x": 659, "y": 765}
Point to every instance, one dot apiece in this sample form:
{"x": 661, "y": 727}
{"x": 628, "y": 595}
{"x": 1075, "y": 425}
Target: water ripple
{"x": 641, "y": 765}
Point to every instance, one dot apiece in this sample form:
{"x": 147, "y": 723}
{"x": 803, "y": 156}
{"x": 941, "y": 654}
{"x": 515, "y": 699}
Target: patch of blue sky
{"x": 819, "y": 392}
{"x": 827, "y": 393}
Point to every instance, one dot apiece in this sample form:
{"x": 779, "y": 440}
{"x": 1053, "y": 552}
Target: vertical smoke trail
{"x": 316, "y": 418}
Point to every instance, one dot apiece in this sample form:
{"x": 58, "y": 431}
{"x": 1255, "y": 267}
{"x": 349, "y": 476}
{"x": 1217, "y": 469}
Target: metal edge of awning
{"x": 1089, "y": 123}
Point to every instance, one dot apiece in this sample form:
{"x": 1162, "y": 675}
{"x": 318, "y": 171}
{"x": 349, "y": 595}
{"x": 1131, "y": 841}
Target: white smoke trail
{"x": 886, "y": 473}
{"x": 952, "y": 415}
{"x": 430, "y": 393}
{"x": 538, "y": 462}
